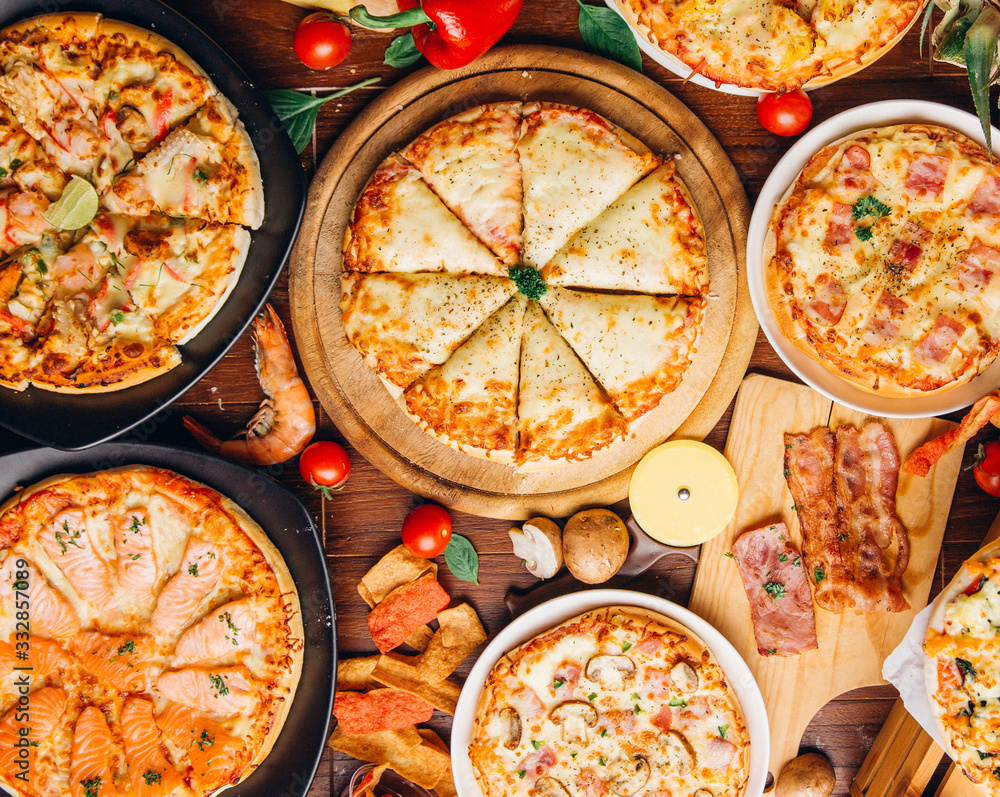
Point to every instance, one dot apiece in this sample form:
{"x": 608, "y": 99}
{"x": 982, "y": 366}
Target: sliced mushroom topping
{"x": 610, "y": 671}
{"x": 677, "y": 753}
{"x": 511, "y": 724}
{"x": 684, "y": 677}
{"x": 548, "y": 787}
{"x": 628, "y": 776}
{"x": 703, "y": 793}
{"x": 574, "y": 716}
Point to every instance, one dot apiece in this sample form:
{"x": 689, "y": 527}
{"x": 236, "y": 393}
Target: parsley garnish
{"x": 221, "y": 690}
{"x": 136, "y": 522}
{"x": 841, "y": 537}
{"x": 200, "y": 176}
{"x": 521, "y": 773}
{"x": 528, "y": 281}
{"x": 602, "y": 761}
{"x": 723, "y": 729}
{"x": 205, "y": 741}
{"x": 729, "y": 554}
{"x": 782, "y": 557}
{"x": 193, "y": 570}
{"x": 71, "y": 537}
{"x": 128, "y": 647}
{"x": 771, "y": 651}
{"x": 557, "y": 684}
{"x": 868, "y": 207}
{"x": 676, "y": 701}
{"x": 797, "y": 562}
{"x": 819, "y": 574}
{"x": 117, "y": 317}
{"x": 227, "y": 618}
{"x": 775, "y": 590}
{"x": 151, "y": 777}
{"x": 92, "y": 787}
{"x": 135, "y": 557}
{"x": 537, "y": 744}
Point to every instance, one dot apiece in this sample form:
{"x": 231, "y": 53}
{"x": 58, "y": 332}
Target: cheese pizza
{"x": 880, "y": 260}
{"x": 772, "y": 45}
{"x": 451, "y": 259}
{"x": 618, "y": 701}
{"x": 105, "y": 306}
{"x": 150, "y": 637}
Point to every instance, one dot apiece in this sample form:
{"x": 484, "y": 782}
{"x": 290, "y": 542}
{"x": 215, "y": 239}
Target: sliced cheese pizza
{"x": 471, "y": 400}
{"x": 562, "y": 412}
{"x": 399, "y": 224}
{"x": 638, "y": 347}
{"x": 405, "y": 324}
{"x": 470, "y": 160}
{"x": 574, "y": 164}
{"x": 649, "y": 240}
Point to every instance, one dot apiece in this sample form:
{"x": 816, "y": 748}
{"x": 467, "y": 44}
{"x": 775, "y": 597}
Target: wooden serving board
{"x": 852, "y": 647}
{"x": 352, "y": 393}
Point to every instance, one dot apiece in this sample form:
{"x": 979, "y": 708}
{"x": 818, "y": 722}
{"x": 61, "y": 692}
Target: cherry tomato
{"x": 320, "y": 41}
{"x": 326, "y": 466}
{"x": 427, "y": 530}
{"x": 785, "y": 114}
{"x": 987, "y": 467}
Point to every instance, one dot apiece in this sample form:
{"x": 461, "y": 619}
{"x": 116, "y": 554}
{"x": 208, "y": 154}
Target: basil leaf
{"x": 298, "y": 111}
{"x": 462, "y": 559}
{"x": 606, "y": 33}
{"x": 402, "y": 52}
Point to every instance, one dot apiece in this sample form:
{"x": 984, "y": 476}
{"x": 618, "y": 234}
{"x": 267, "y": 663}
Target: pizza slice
{"x": 471, "y": 162}
{"x": 562, "y": 412}
{"x": 574, "y": 164}
{"x": 405, "y": 324}
{"x": 400, "y": 225}
{"x": 649, "y": 240}
{"x": 471, "y": 400}
{"x": 23, "y": 163}
{"x": 638, "y": 347}
{"x": 207, "y": 169}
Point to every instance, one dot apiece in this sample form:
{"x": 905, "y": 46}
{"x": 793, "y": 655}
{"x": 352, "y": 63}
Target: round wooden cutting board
{"x": 352, "y": 393}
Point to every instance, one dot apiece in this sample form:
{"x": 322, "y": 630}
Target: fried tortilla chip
{"x": 355, "y": 675}
{"x": 404, "y": 750}
{"x": 392, "y": 571}
{"x": 401, "y": 672}
{"x": 425, "y": 765}
{"x": 459, "y": 634}
{"x": 360, "y": 713}
{"x": 404, "y": 610}
{"x": 983, "y": 411}
{"x": 368, "y": 783}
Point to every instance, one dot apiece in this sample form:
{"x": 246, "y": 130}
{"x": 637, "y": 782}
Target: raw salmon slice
{"x": 214, "y": 753}
{"x": 90, "y": 759}
{"x": 137, "y": 569}
{"x": 45, "y": 708}
{"x": 49, "y": 610}
{"x": 42, "y": 658}
{"x": 231, "y": 628}
{"x": 222, "y": 691}
{"x": 181, "y": 595}
{"x": 66, "y": 541}
{"x": 121, "y": 660}
{"x": 149, "y": 770}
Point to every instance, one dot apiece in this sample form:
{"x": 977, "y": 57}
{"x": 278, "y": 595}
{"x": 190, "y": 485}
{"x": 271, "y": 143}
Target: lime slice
{"x": 76, "y": 207}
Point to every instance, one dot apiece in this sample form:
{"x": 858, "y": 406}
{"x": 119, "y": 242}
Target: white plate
{"x": 876, "y": 114}
{"x": 558, "y": 610}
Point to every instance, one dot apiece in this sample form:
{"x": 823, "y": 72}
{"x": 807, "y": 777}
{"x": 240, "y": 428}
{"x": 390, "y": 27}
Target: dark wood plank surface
{"x": 364, "y": 520}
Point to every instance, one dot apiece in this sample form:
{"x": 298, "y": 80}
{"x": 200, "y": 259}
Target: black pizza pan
{"x": 73, "y": 422}
{"x": 289, "y": 769}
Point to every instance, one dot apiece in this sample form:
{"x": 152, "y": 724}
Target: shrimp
{"x": 286, "y": 421}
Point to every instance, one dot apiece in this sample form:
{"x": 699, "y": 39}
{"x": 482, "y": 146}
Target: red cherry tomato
{"x": 987, "y": 467}
{"x": 427, "y": 530}
{"x": 326, "y": 466}
{"x": 320, "y": 41}
{"x": 785, "y": 114}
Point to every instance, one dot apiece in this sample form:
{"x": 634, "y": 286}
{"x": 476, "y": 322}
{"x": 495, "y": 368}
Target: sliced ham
{"x": 829, "y": 302}
{"x": 538, "y": 763}
{"x": 883, "y": 327}
{"x": 977, "y": 266}
{"x": 927, "y": 173}
{"x": 663, "y": 718}
{"x": 986, "y": 197}
{"x": 906, "y": 249}
{"x": 781, "y": 607}
{"x": 854, "y": 175}
{"x": 939, "y": 341}
{"x": 839, "y": 225}
{"x": 717, "y": 756}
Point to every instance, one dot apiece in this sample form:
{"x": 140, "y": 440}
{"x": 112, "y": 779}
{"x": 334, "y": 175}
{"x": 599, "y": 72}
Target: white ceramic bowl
{"x": 876, "y": 114}
{"x": 560, "y": 609}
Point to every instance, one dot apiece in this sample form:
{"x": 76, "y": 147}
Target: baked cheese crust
{"x": 616, "y": 701}
{"x": 105, "y": 307}
{"x": 161, "y": 603}
{"x": 881, "y": 260}
{"x": 773, "y": 45}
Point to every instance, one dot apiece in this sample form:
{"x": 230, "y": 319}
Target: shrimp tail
{"x": 202, "y": 434}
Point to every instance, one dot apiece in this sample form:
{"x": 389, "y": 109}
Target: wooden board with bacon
{"x": 851, "y": 646}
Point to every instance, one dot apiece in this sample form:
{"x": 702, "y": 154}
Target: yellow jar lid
{"x": 683, "y": 493}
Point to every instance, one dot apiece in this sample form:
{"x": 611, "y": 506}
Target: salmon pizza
{"x": 619, "y": 701}
{"x": 127, "y": 187}
{"x": 150, "y": 638}
{"x": 881, "y": 260}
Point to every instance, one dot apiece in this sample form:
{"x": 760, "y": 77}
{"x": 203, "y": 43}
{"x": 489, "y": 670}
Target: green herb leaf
{"x": 521, "y": 773}
{"x": 592, "y": 696}
{"x": 462, "y": 559}
{"x": 528, "y": 281}
{"x": 676, "y": 701}
{"x": 869, "y": 206}
{"x": 966, "y": 667}
{"x": 537, "y": 744}
{"x": 819, "y": 574}
{"x": 298, "y": 111}
{"x": 771, "y": 651}
{"x": 775, "y": 590}
{"x": 117, "y": 316}
{"x": 626, "y": 646}
{"x": 782, "y": 557}
{"x": 557, "y": 684}
{"x": 723, "y": 729}
{"x": 402, "y": 52}
{"x": 151, "y": 777}
{"x": 606, "y": 33}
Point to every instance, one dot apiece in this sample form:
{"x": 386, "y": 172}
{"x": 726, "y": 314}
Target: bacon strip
{"x": 919, "y": 463}
{"x": 986, "y": 197}
{"x": 927, "y": 172}
{"x": 784, "y": 622}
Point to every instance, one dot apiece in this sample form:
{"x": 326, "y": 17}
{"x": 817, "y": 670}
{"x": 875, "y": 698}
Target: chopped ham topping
{"x": 977, "y": 266}
{"x": 927, "y": 173}
{"x": 781, "y": 607}
{"x": 663, "y": 718}
{"x": 883, "y": 327}
{"x": 718, "y": 755}
{"x": 937, "y": 344}
{"x": 986, "y": 197}
{"x": 827, "y": 308}
{"x": 906, "y": 249}
{"x": 538, "y": 763}
{"x": 839, "y": 225}
{"x": 854, "y": 173}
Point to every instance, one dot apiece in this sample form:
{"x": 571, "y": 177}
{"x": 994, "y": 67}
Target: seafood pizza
{"x": 881, "y": 260}
{"x": 105, "y": 305}
{"x": 619, "y": 701}
{"x": 150, "y": 638}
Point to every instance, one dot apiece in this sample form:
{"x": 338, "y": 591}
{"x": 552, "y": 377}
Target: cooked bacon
{"x": 919, "y": 463}
{"x": 906, "y": 250}
{"x": 883, "y": 327}
{"x": 866, "y": 474}
{"x": 977, "y": 266}
{"x": 940, "y": 339}
{"x": 854, "y": 173}
{"x": 784, "y": 622}
{"x": 986, "y": 197}
{"x": 827, "y": 308}
{"x": 809, "y": 472}
{"x": 839, "y": 225}
{"x": 927, "y": 173}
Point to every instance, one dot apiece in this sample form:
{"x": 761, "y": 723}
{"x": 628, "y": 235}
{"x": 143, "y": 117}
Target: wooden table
{"x": 364, "y": 520}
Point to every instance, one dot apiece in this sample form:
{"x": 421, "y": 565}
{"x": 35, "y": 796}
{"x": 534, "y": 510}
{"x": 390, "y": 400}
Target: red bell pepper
{"x": 450, "y": 33}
